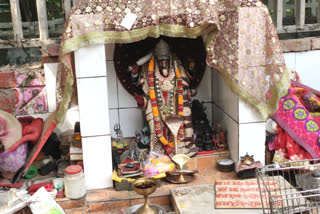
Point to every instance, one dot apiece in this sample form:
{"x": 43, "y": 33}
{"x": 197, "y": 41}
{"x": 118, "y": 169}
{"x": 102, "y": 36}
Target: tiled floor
{"x": 115, "y": 202}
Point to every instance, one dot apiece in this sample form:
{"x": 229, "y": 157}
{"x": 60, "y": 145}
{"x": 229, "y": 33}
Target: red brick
{"x": 76, "y": 211}
{"x": 136, "y": 201}
{"x": 71, "y": 204}
{"x": 8, "y": 100}
{"x": 7, "y": 80}
{"x": 118, "y": 205}
{"x": 204, "y": 162}
{"x": 97, "y": 195}
{"x": 161, "y": 200}
{"x": 192, "y": 164}
{"x": 295, "y": 45}
{"x": 315, "y": 43}
{"x": 101, "y": 207}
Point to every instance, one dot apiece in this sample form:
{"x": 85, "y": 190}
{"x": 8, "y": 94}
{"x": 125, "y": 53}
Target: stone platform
{"x": 111, "y": 201}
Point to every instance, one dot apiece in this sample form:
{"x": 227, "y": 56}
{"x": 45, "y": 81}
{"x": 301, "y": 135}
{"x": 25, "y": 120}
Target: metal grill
{"x": 292, "y": 187}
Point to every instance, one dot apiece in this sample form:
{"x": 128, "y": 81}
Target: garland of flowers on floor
{"x": 155, "y": 108}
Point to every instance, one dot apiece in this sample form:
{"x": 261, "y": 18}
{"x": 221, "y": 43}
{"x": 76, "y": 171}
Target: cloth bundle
{"x": 14, "y": 152}
{"x": 298, "y": 116}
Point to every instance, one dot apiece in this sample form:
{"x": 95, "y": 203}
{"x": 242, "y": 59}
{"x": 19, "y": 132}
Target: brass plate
{"x": 133, "y": 209}
{"x": 173, "y": 177}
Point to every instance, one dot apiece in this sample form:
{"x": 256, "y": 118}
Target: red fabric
{"x": 298, "y": 115}
{"x": 205, "y": 152}
{"x": 288, "y": 148}
{"x": 140, "y": 100}
{"x": 31, "y": 131}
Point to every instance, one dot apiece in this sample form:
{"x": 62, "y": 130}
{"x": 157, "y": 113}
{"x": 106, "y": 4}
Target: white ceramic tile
{"x": 97, "y": 160}
{"x": 204, "y": 90}
{"x": 72, "y": 116}
{"x": 131, "y": 120}
{"x": 93, "y": 108}
{"x": 252, "y": 137}
{"x": 224, "y": 97}
{"x": 114, "y": 118}
{"x": 231, "y": 129}
{"x": 290, "y": 60}
{"x": 247, "y": 114}
{"x": 308, "y": 68}
{"x": 50, "y": 71}
{"x": 90, "y": 61}
{"x": 112, "y": 86}
{"x": 126, "y": 100}
{"x": 109, "y": 51}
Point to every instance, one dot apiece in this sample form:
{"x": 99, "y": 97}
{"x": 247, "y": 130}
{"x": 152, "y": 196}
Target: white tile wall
{"x": 92, "y": 61}
{"x": 247, "y": 114}
{"x": 224, "y": 97}
{"x": 126, "y": 100}
{"x": 252, "y": 140}
{"x": 204, "y": 90}
{"x": 50, "y": 72}
{"x": 131, "y": 120}
{"x": 97, "y": 161}
{"x": 112, "y": 86}
{"x": 290, "y": 59}
{"x": 308, "y": 68}
{"x": 307, "y": 65}
{"x": 114, "y": 118}
{"x": 93, "y": 107}
{"x": 231, "y": 128}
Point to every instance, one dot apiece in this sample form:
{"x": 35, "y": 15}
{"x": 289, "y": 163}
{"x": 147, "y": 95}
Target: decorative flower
{"x": 289, "y": 104}
{"x": 312, "y": 126}
{"x": 88, "y": 9}
{"x": 300, "y": 114}
{"x": 99, "y": 8}
{"x": 77, "y": 12}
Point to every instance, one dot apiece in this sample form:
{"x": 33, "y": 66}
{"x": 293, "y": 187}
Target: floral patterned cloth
{"x": 299, "y": 116}
{"x": 241, "y": 41}
{"x": 13, "y": 161}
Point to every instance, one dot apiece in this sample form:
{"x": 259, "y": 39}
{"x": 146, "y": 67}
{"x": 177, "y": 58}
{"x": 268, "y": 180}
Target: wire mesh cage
{"x": 291, "y": 187}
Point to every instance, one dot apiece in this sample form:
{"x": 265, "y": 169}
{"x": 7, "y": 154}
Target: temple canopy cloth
{"x": 241, "y": 41}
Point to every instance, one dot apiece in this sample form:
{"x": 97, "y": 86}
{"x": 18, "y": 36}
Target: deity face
{"x": 164, "y": 66}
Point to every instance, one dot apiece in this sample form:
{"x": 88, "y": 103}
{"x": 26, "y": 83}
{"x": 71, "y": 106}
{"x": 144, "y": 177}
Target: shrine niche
{"x": 162, "y": 74}
{"x": 244, "y": 50}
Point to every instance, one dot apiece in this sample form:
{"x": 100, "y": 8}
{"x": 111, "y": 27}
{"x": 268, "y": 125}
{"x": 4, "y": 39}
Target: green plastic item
{"x": 32, "y": 171}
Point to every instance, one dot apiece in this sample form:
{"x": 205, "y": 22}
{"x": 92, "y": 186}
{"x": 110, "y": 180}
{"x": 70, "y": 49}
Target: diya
{"x": 145, "y": 187}
{"x": 180, "y": 175}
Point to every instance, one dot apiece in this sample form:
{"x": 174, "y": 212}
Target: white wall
{"x": 307, "y": 64}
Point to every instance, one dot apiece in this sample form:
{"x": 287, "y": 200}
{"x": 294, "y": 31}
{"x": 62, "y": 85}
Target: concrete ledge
{"x": 299, "y": 45}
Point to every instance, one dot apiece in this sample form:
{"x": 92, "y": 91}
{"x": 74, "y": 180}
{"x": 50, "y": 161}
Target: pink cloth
{"x": 299, "y": 115}
{"x": 13, "y": 161}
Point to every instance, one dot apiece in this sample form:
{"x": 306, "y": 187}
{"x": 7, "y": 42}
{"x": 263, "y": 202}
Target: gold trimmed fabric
{"x": 241, "y": 41}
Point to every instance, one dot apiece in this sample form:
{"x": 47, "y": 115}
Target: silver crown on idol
{"x": 162, "y": 50}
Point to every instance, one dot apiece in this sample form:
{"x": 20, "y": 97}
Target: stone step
{"x": 111, "y": 201}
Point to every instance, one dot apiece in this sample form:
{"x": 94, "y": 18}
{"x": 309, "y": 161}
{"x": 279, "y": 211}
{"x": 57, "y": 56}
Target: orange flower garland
{"x": 155, "y": 109}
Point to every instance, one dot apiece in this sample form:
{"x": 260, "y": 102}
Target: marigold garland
{"x": 155, "y": 109}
